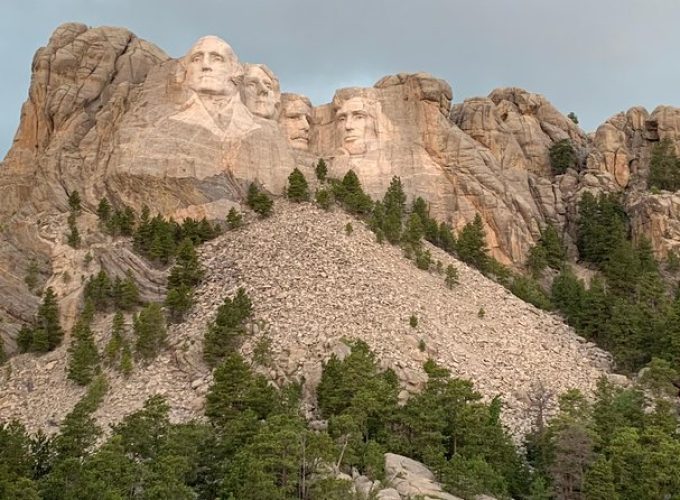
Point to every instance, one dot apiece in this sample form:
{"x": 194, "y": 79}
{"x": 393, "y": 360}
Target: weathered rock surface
{"x": 412, "y": 479}
{"x": 313, "y": 286}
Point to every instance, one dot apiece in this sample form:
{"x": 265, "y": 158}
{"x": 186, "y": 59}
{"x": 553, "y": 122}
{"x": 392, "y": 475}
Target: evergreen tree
{"x": 350, "y": 193}
{"x": 447, "y": 241}
{"x": 664, "y": 167}
{"x": 394, "y": 203}
{"x": 324, "y": 198}
{"x": 471, "y": 244}
{"x": 234, "y": 219}
{"x": 451, "y": 276}
{"x": 3, "y": 354}
{"x": 25, "y": 338}
{"x": 149, "y": 326}
{"x": 321, "y": 170}
{"x": 562, "y": 156}
{"x": 298, "y": 189}
{"x": 259, "y": 201}
{"x": 104, "y": 210}
{"x": 567, "y": 294}
{"x": 112, "y": 351}
{"x": 83, "y": 361}
{"x": 73, "y": 237}
{"x": 187, "y": 270}
{"x": 413, "y": 233}
{"x": 601, "y": 226}
{"x": 48, "y": 323}
{"x": 74, "y": 201}
{"x": 224, "y": 334}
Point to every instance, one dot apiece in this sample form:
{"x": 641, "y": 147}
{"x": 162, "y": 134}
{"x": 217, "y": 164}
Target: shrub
{"x": 562, "y": 156}
{"x": 451, "y": 276}
{"x": 298, "y": 189}
{"x": 258, "y": 201}
{"x": 321, "y": 170}
{"x": 413, "y": 321}
{"x": 225, "y": 333}
{"x": 324, "y": 198}
{"x": 234, "y": 219}
{"x": 664, "y": 167}
{"x": 83, "y": 363}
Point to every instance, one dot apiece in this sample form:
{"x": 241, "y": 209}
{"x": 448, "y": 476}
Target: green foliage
{"x": 413, "y": 321}
{"x": 572, "y": 117}
{"x": 225, "y": 333}
{"x": 298, "y": 189}
{"x": 73, "y": 236}
{"x": 423, "y": 259}
{"x": 3, "y": 354}
{"x": 74, "y": 201}
{"x": 349, "y": 229}
{"x": 150, "y": 331}
{"x": 451, "y": 279}
{"x": 601, "y": 226}
{"x": 106, "y": 295}
{"x": 117, "y": 352}
{"x": 159, "y": 239}
{"x": 324, "y": 198}
{"x": 83, "y": 361}
{"x": 562, "y": 156}
{"x": 664, "y": 167}
{"x": 184, "y": 276}
{"x": 471, "y": 244}
{"x": 548, "y": 252}
{"x": 350, "y": 194}
{"x": 321, "y": 170}
{"x": 31, "y": 278}
{"x": 481, "y": 313}
{"x": 104, "y": 211}
{"x": 46, "y": 332}
{"x": 529, "y": 291}
{"x": 259, "y": 201}
{"x": 234, "y": 219}
{"x": 121, "y": 222}
{"x": 658, "y": 377}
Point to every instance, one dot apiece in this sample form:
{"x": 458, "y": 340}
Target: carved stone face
{"x": 354, "y": 124}
{"x": 295, "y": 121}
{"x": 260, "y": 92}
{"x": 210, "y": 66}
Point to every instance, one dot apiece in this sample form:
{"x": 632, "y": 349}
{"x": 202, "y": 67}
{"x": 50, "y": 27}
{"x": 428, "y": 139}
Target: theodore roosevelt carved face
{"x": 356, "y": 125}
{"x": 295, "y": 119}
{"x": 261, "y": 92}
{"x": 211, "y": 67}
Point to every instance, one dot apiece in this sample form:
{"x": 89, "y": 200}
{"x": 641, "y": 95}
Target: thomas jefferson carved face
{"x": 261, "y": 92}
{"x": 355, "y": 125}
{"x": 295, "y": 120}
{"x": 211, "y": 66}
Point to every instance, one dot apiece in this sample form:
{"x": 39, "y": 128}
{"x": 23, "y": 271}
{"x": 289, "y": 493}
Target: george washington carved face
{"x": 211, "y": 66}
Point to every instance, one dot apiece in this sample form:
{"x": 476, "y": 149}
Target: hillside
{"x": 312, "y": 286}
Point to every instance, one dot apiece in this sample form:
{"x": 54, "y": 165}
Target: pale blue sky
{"x": 595, "y": 57}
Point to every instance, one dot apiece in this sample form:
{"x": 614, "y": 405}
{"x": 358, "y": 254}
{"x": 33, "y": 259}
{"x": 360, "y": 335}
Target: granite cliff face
{"x": 109, "y": 114}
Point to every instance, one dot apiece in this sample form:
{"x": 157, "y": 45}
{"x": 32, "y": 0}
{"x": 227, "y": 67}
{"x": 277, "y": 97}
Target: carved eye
{"x": 196, "y": 57}
{"x": 217, "y": 58}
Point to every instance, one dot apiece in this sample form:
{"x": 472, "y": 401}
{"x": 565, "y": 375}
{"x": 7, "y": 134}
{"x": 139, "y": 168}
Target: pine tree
{"x": 471, "y": 244}
{"x": 3, "y": 354}
{"x": 104, "y": 210}
{"x": 113, "y": 347}
{"x": 73, "y": 237}
{"x": 225, "y": 333}
{"x": 187, "y": 270}
{"x": 350, "y": 193}
{"x": 413, "y": 233}
{"x": 83, "y": 361}
{"x": 234, "y": 219}
{"x": 321, "y": 170}
{"x": 74, "y": 201}
{"x": 298, "y": 189}
{"x": 259, "y": 201}
{"x": 562, "y": 156}
{"x": 394, "y": 202}
{"x": 451, "y": 276}
{"x": 149, "y": 326}
{"x": 25, "y": 338}
{"x": 48, "y": 323}
{"x": 447, "y": 241}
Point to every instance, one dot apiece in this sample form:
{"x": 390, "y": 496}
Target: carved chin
{"x": 299, "y": 142}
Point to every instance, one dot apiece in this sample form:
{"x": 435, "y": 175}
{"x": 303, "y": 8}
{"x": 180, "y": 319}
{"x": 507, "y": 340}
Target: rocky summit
{"x": 109, "y": 115}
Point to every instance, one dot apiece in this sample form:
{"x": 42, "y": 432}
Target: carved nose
{"x": 348, "y": 123}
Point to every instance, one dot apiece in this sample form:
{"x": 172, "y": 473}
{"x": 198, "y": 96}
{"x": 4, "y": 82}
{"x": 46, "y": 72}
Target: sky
{"x": 594, "y": 58}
